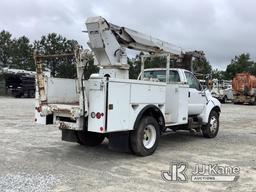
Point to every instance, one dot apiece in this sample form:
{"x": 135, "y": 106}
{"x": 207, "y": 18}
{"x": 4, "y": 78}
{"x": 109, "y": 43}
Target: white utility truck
{"x": 132, "y": 114}
{"x": 222, "y": 90}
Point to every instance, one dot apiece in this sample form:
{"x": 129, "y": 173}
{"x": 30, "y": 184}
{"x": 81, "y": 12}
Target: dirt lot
{"x": 33, "y": 157}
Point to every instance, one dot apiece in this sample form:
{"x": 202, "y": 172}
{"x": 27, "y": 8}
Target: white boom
{"x": 108, "y": 42}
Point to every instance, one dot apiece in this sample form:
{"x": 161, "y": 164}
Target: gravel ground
{"x": 33, "y": 157}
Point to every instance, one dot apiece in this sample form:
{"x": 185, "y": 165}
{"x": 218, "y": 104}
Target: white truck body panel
{"x": 176, "y": 111}
{"x": 124, "y": 101}
{"x": 97, "y": 100}
{"x": 196, "y": 102}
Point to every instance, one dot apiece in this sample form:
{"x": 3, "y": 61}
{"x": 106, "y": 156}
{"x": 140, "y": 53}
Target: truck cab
{"x": 197, "y": 95}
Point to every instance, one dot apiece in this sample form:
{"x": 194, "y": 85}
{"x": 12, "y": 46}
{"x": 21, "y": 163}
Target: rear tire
{"x": 89, "y": 138}
{"x": 31, "y": 94}
{"x": 212, "y": 128}
{"x": 18, "y": 95}
{"x": 144, "y": 139}
{"x": 253, "y": 102}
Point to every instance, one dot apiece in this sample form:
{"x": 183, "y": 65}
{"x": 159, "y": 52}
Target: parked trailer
{"x": 20, "y": 84}
{"x": 244, "y": 88}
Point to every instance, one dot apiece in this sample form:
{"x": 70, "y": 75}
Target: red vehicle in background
{"x": 244, "y": 88}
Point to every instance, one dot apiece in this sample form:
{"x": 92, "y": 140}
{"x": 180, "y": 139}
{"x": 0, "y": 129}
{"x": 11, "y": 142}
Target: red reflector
{"x": 101, "y": 129}
{"x": 98, "y": 115}
{"x": 38, "y": 109}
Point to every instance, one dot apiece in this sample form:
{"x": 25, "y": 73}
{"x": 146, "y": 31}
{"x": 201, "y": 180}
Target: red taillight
{"x": 98, "y": 115}
{"x": 38, "y": 109}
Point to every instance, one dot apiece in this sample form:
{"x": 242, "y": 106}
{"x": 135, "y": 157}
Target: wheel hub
{"x": 213, "y": 124}
{"x": 149, "y": 137}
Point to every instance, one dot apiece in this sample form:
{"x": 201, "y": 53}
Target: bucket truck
{"x": 131, "y": 114}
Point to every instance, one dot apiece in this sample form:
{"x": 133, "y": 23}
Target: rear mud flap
{"x": 119, "y": 142}
{"x": 69, "y": 135}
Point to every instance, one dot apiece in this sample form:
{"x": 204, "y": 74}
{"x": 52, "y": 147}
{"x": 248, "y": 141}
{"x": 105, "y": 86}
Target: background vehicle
{"x": 132, "y": 114}
{"x": 20, "y": 83}
{"x": 222, "y": 90}
{"x": 244, "y": 88}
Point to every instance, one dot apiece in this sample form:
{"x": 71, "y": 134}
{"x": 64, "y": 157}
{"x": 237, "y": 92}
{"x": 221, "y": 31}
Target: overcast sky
{"x": 221, "y": 28}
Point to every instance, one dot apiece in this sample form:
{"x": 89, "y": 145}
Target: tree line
{"x": 239, "y": 64}
{"x": 18, "y": 53}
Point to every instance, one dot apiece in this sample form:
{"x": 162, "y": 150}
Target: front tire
{"x": 212, "y": 128}
{"x": 144, "y": 139}
{"x": 89, "y": 138}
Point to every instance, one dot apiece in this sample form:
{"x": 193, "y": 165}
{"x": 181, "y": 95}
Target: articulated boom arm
{"x": 142, "y": 42}
{"x": 108, "y": 42}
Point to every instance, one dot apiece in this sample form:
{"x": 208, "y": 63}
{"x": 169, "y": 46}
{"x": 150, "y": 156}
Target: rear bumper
{"x": 78, "y": 125}
{"x": 68, "y": 117}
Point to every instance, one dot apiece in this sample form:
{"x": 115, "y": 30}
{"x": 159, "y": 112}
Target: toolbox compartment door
{"x": 97, "y": 104}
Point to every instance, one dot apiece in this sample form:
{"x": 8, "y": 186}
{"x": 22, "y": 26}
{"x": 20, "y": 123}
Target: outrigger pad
{"x": 119, "y": 142}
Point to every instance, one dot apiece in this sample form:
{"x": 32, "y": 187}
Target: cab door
{"x": 196, "y": 97}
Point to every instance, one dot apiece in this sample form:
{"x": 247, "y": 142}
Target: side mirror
{"x": 203, "y": 87}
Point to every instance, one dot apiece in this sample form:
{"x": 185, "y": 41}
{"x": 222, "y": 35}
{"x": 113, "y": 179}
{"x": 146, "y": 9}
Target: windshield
{"x": 160, "y": 75}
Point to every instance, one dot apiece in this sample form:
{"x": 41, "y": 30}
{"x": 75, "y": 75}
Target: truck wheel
{"x": 224, "y": 100}
{"x": 253, "y": 102}
{"x": 211, "y": 129}
{"x": 31, "y": 94}
{"x": 89, "y": 138}
{"x": 145, "y": 137}
{"x": 17, "y": 96}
